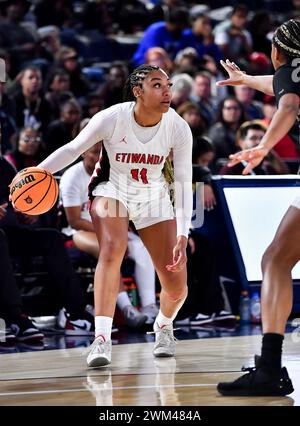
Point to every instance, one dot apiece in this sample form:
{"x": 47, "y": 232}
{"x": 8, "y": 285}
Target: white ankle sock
{"x": 103, "y": 326}
{"x": 161, "y": 320}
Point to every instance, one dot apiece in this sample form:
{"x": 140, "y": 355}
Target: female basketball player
{"x": 138, "y": 137}
{"x": 268, "y": 377}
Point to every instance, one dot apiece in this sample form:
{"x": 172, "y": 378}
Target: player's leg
{"x": 160, "y": 240}
{"x": 87, "y": 242}
{"x": 110, "y": 220}
{"x": 277, "y": 264}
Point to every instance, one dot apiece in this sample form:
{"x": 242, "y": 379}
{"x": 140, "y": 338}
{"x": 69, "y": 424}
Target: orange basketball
{"x": 33, "y": 191}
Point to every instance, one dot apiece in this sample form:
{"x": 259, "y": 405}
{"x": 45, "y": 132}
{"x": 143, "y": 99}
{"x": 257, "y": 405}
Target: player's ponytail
{"x": 135, "y": 79}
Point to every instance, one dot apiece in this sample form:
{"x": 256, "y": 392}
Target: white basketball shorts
{"x": 142, "y": 213}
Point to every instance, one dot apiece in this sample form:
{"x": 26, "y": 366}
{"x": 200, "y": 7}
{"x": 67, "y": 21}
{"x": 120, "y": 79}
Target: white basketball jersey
{"x": 136, "y": 167}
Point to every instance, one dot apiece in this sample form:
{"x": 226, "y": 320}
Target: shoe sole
{"x": 99, "y": 362}
{"x": 164, "y": 355}
{"x": 256, "y": 393}
{"x": 37, "y": 337}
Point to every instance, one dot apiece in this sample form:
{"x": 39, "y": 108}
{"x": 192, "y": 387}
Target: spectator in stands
{"x": 209, "y": 65}
{"x": 31, "y": 108}
{"x": 203, "y": 155}
{"x": 233, "y": 39}
{"x": 166, "y": 34}
{"x": 18, "y": 325}
{"x": 132, "y": 16}
{"x": 252, "y": 108}
{"x": 162, "y": 8}
{"x": 293, "y": 9}
{"x": 6, "y": 56}
{"x": 29, "y": 150}
{"x": 49, "y": 41}
{"x": 13, "y": 36}
{"x": 287, "y": 148}
{"x": 7, "y": 124}
{"x": 192, "y": 115}
{"x": 260, "y": 64}
{"x": 181, "y": 89}
{"x": 64, "y": 129}
{"x": 94, "y": 103}
{"x": 259, "y": 27}
{"x": 57, "y": 90}
{"x": 186, "y": 61}
{"x": 21, "y": 236}
{"x": 223, "y": 133}
{"x": 99, "y": 15}
{"x": 112, "y": 90}
{"x": 67, "y": 59}
{"x": 201, "y": 38}
{"x": 56, "y": 12}
{"x": 248, "y": 136}
{"x": 158, "y": 56}
{"x": 74, "y": 195}
{"x": 202, "y": 96}
{"x": 203, "y": 152}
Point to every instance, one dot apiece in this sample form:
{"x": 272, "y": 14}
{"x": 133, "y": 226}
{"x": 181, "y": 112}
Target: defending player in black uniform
{"x": 268, "y": 377}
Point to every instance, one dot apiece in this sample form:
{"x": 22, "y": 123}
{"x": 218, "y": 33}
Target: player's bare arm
{"x": 282, "y": 122}
{"x": 263, "y": 83}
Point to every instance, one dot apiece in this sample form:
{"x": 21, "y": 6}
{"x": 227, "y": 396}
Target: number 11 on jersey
{"x": 139, "y": 174}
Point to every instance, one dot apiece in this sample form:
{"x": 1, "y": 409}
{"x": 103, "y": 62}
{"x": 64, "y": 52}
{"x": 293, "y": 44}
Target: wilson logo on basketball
{"x": 22, "y": 182}
{"x": 28, "y": 200}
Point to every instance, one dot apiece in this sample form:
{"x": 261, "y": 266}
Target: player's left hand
{"x": 179, "y": 255}
{"x": 253, "y": 156}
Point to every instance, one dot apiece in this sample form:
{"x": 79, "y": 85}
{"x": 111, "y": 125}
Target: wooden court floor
{"x": 60, "y": 377}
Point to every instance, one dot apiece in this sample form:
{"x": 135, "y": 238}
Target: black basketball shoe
{"x": 259, "y": 381}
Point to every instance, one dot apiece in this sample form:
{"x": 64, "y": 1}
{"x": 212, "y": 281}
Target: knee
{"x": 277, "y": 256}
{"x": 176, "y": 295}
{"x": 112, "y": 250}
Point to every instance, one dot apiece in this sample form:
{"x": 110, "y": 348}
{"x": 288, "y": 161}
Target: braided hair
{"x": 287, "y": 39}
{"x": 136, "y": 79}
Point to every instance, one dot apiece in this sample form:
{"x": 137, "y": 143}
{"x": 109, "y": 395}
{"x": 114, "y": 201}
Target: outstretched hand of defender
{"x": 253, "y": 157}
{"x": 179, "y": 256}
{"x": 236, "y": 76}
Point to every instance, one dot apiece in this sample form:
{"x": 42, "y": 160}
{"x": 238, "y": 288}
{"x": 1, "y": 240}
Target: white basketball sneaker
{"x": 100, "y": 353}
{"x": 164, "y": 341}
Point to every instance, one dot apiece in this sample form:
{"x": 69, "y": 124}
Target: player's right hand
{"x": 253, "y": 157}
{"x": 236, "y": 76}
